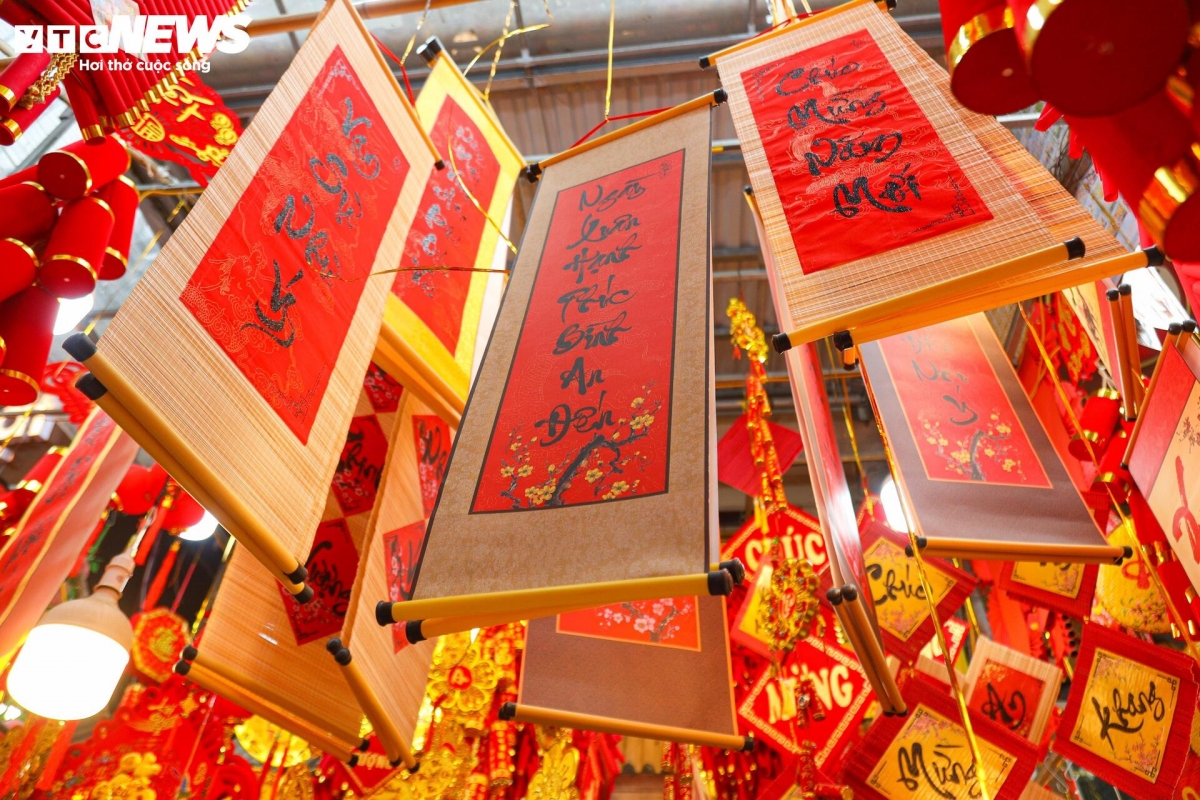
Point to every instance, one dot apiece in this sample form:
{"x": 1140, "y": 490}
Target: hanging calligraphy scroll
{"x": 887, "y": 205}
{"x": 432, "y": 318}
{"x": 1163, "y": 457}
{"x": 237, "y": 360}
{"x": 41, "y": 550}
{"x": 1129, "y": 714}
{"x": 799, "y": 535}
{"x": 591, "y": 417}
{"x": 926, "y": 753}
{"x": 1012, "y": 689}
{"x": 189, "y": 124}
{"x": 963, "y": 435}
{"x": 901, "y": 605}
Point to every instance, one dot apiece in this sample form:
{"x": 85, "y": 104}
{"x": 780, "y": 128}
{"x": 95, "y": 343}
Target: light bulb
{"x": 893, "y": 510}
{"x": 203, "y": 529}
{"x": 70, "y": 312}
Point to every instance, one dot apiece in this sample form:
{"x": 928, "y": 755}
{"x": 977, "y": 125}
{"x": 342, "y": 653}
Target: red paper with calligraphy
{"x": 798, "y": 533}
{"x": 383, "y": 391}
{"x": 859, "y": 168}
{"x": 960, "y": 417}
{"x": 38, "y": 556}
{"x": 670, "y": 622}
{"x": 447, "y": 229}
{"x": 403, "y": 552}
{"x": 433, "y": 438}
{"x": 279, "y": 285}
{"x": 359, "y": 470}
{"x": 332, "y": 564}
{"x": 1007, "y": 695}
{"x": 190, "y": 125}
{"x": 586, "y": 409}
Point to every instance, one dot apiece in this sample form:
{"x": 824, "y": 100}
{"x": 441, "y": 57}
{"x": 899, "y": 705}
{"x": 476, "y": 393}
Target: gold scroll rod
{"x": 368, "y": 9}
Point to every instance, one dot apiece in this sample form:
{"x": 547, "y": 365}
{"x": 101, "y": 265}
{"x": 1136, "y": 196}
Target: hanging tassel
{"x": 160, "y": 578}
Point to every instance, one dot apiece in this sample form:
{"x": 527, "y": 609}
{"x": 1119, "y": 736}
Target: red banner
{"x": 190, "y": 125}
{"x": 735, "y": 461}
{"x": 402, "y": 548}
{"x": 279, "y": 285}
{"x": 383, "y": 392}
{"x": 38, "y": 556}
{"x": 585, "y": 414}
{"x": 859, "y": 168}
{"x": 448, "y": 228}
{"x": 433, "y": 438}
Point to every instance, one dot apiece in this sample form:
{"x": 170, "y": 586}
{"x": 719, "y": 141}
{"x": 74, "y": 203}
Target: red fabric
{"x": 1100, "y": 417}
{"x": 1093, "y": 57}
{"x": 27, "y": 328}
{"x": 27, "y": 174}
{"x": 735, "y": 461}
{"x": 122, "y": 198}
{"x": 28, "y": 212}
{"x": 82, "y": 166}
{"x": 858, "y": 166}
{"x": 20, "y": 74}
{"x": 332, "y": 564}
{"x": 75, "y": 252}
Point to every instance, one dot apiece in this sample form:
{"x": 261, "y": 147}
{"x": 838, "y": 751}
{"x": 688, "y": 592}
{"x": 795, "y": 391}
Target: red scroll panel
{"x": 279, "y": 285}
{"x": 38, "y": 556}
{"x": 670, "y": 622}
{"x": 972, "y": 455}
{"x": 859, "y": 168}
{"x": 432, "y": 437}
{"x": 448, "y": 229}
{"x": 585, "y": 415}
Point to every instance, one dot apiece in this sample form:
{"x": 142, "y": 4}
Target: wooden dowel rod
{"x": 128, "y": 396}
{"x": 623, "y": 727}
{"x": 409, "y": 358}
{"x": 398, "y": 751}
{"x": 128, "y": 423}
{"x": 1171, "y": 340}
{"x": 860, "y": 650}
{"x": 1023, "y": 551}
{"x": 977, "y": 282}
{"x": 1131, "y": 341}
{"x": 711, "y": 99}
{"x": 444, "y": 626}
{"x": 318, "y": 738}
{"x": 953, "y": 308}
{"x": 857, "y": 615}
{"x": 820, "y": 16}
{"x": 371, "y": 9}
{"x": 585, "y": 595}
{"x": 1119, "y": 334}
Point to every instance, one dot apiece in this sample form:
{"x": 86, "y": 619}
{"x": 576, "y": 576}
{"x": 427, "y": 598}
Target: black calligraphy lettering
{"x": 588, "y": 261}
{"x": 594, "y": 334}
{"x": 281, "y": 304}
{"x": 894, "y": 587}
{"x": 1130, "y": 713}
{"x": 583, "y": 420}
{"x": 631, "y": 190}
{"x": 808, "y": 77}
{"x": 848, "y": 198}
{"x": 583, "y": 298}
{"x": 836, "y": 110}
{"x": 1009, "y": 711}
{"x": 582, "y": 378}
{"x": 845, "y": 149}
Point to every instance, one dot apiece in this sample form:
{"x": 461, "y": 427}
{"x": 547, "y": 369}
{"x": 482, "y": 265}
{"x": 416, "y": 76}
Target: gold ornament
{"x": 44, "y": 86}
{"x": 261, "y": 740}
{"x": 555, "y": 778}
{"x": 462, "y": 681}
{"x": 788, "y": 604}
{"x": 132, "y": 781}
{"x": 1127, "y": 591}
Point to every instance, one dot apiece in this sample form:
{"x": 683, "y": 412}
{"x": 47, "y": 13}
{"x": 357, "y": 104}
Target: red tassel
{"x": 160, "y": 578}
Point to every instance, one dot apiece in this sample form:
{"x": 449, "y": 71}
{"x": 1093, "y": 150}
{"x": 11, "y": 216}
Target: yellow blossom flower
{"x": 593, "y": 475}
{"x": 506, "y": 472}
{"x": 525, "y": 471}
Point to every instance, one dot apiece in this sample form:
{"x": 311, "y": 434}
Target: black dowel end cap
{"x": 1113, "y": 295}
{"x": 439, "y": 165}
{"x": 1126, "y": 554}
{"x": 781, "y": 343}
{"x": 383, "y": 613}
{"x": 80, "y": 346}
{"x": 720, "y": 582}
{"x": 1175, "y": 328}
{"x": 298, "y": 575}
{"x": 182, "y": 668}
{"x": 1075, "y": 248}
{"x": 91, "y": 387}
{"x": 532, "y": 172}
{"x": 430, "y": 50}
{"x": 834, "y": 596}
{"x": 507, "y": 711}
{"x": 1125, "y": 289}
{"x": 850, "y": 592}
{"x": 342, "y": 657}
{"x": 1189, "y": 325}
{"x": 189, "y": 653}
{"x": 902, "y": 713}
{"x": 736, "y": 569}
{"x": 305, "y": 597}
{"x": 748, "y": 745}
{"x": 843, "y": 341}
{"x": 416, "y": 766}
{"x": 1154, "y": 256}
{"x": 748, "y": 190}
{"x": 333, "y": 645}
{"x": 412, "y": 631}
{"x": 891, "y": 5}
{"x": 720, "y": 96}
{"x": 889, "y": 713}
{"x": 704, "y": 62}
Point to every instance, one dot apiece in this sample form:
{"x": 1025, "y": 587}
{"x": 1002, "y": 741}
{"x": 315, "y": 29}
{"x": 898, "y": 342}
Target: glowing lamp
{"x": 893, "y": 509}
{"x": 73, "y": 659}
{"x": 203, "y": 529}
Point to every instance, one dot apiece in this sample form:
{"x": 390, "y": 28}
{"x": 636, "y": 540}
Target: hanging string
{"x": 187, "y": 579}
{"x": 1143, "y": 553}
{"x": 463, "y": 186}
{"x": 612, "y": 24}
{"x": 849, "y": 419}
{"x": 619, "y": 117}
{"x": 500, "y": 41}
{"x": 412, "y": 100}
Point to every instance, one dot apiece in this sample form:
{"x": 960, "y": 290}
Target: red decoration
{"x": 1093, "y": 57}
{"x": 19, "y": 119}
{"x": 282, "y": 318}
{"x": 159, "y": 636}
{"x": 1070, "y": 592}
{"x": 20, "y": 270}
{"x": 1099, "y": 420}
{"x": 140, "y": 489}
{"x": 75, "y": 253}
{"x": 360, "y": 467}
{"x": 59, "y": 381}
{"x": 184, "y": 512}
{"x": 29, "y": 212}
{"x": 585, "y": 415}
{"x": 82, "y": 166}
{"x": 433, "y": 439}
{"x": 383, "y": 391}
{"x": 18, "y": 76}
{"x": 189, "y": 125}
{"x": 27, "y": 329}
{"x": 895, "y": 185}
{"x": 735, "y": 461}
{"x": 987, "y": 66}
{"x": 403, "y": 551}
{"x": 798, "y": 533}
{"x": 332, "y": 564}
{"x": 122, "y": 197}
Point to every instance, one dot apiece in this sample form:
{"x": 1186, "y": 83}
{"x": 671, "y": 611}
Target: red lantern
{"x": 28, "y": 212}
{"x": 1151, "y": 155}
{"x": 140, "y": 489}
{"x": 40, "y": 471}
{"x": 27, "y": 327}
{"x": 81, "y": 167}
{"x": 20, "y": 118}
{"x": 19, "y": 270}
{"x": 987, "y": 67}
{"x": 18, "y": 76}
{"x": 76, "y": 248}
{"x": 122, "y": 197}
{"x": 1095, "y": 57}
{"x": 183, "y": 513}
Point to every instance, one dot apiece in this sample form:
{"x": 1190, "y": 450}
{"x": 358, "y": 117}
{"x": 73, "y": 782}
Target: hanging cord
{"x": 612, "y": 24}
{"x": 462, "y": 185}
{"x": 187, "y": 579}
{"x": 412, "y": 100}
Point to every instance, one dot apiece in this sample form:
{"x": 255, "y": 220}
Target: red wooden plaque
{"x": 278, "y": 287}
